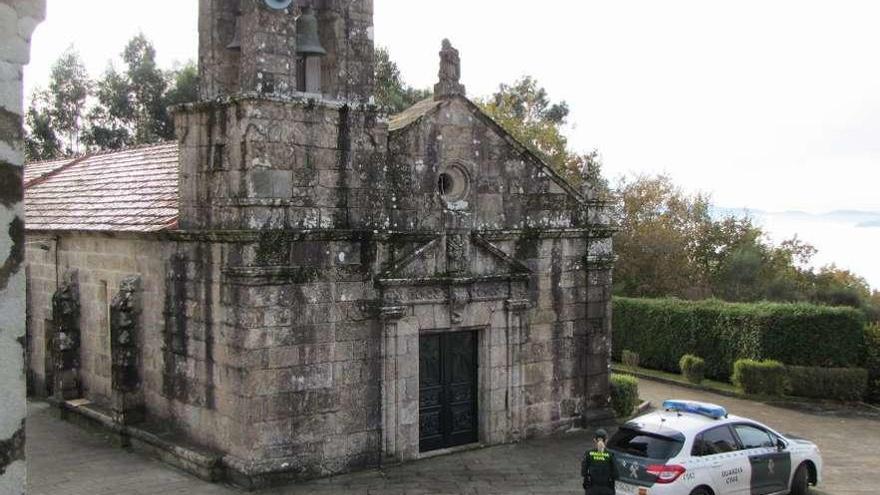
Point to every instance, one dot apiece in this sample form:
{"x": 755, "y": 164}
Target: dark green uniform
{"x": 598, "y": 471}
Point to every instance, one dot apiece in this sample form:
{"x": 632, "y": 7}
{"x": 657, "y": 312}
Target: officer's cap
{"x": 600, "y": 433}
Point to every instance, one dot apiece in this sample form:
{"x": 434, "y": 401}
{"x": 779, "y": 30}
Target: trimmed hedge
{"x": 630, "y": 358}
{"x": 828, "y": 383}
{"x": 693, "y": 368}
{"x": 872, "y": 362}
{"x": 760, "y": 377}
{"x": 661, "y": 331}
{"x": 624, "y": 394}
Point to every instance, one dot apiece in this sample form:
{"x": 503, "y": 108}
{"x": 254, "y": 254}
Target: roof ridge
{"x": 89, "y": 154}
{"x": 130, "y": 148}
{"x": 48, "y": 160}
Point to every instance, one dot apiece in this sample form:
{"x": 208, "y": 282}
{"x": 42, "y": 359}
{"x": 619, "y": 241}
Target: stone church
{"x": 301, "y": 285}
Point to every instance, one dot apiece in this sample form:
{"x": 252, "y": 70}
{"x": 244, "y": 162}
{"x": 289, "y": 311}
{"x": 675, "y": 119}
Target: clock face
{"x": 279, "y": 4}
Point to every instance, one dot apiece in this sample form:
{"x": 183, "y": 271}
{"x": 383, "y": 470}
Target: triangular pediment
{"x": 454, "y": 256}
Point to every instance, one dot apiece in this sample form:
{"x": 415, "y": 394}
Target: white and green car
{"x": 694, "y": 448}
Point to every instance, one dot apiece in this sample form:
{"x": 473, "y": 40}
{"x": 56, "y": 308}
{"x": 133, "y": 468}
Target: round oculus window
{"x": 453, "y": 186}
{"x": 279, "y": 4}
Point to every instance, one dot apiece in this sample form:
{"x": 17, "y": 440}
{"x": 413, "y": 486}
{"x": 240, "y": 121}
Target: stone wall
{"x": 281, "y": 164}
{"x": 179, "y": 367}
{"x": 18, "y": 19}
{"x": 301, "y": 319}
{"x": 101, "y": 264}
{"x": 503, "y": 186}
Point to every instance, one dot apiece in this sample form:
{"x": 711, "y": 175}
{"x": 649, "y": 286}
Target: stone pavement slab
{"x": 65, "y": 459}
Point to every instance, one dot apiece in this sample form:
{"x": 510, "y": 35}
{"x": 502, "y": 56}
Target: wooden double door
{"x": 448, "y": 411}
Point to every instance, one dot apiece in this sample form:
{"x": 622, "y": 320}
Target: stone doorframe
{"x": 501, "y": 412}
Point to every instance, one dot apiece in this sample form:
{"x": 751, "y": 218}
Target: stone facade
{"x": 321, "y": 246}
{"x": 18, "y": 19}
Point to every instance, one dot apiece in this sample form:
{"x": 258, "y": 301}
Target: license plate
{"x": 627, "y": 489}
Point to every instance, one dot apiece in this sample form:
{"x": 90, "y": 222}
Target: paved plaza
{"x": 66, "y": 459}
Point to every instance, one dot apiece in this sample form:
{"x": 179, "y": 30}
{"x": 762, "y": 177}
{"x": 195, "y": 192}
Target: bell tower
{"x": 286, "y": 47}
{"x": 285, "y": 114}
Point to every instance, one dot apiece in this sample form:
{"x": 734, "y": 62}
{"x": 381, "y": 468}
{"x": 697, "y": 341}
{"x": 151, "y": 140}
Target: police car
{"x": 695, "y": 448}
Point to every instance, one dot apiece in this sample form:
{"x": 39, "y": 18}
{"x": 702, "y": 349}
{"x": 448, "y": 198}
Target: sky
{"x": 764, "y": 105}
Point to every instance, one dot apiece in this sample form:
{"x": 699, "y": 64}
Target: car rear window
{"x": 643, "y": 444}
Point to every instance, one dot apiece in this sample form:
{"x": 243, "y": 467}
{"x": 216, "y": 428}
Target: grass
{"x": 709, "y": 385}
{"x": 727, "y": 389}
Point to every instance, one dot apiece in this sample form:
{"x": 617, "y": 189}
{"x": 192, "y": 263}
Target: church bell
{"x": 308, "y": 42}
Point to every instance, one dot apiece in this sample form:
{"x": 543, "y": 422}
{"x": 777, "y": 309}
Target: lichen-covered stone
{"x": 18, "y": 19}
{"x": 125, "y": 348}
{"x": 319, "y": 240}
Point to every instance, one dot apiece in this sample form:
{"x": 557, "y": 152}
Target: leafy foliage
{"x": 56, "y": 114}
{"x": 391, "y": 92}
{"x": 41, "y": 143}
{"x": 525, "y": 111}
{"x": 872, "y": 361}
{"x": 670, "y": 245}
{"x": 122, "y": 108}
{"x": 624, "y": 394}
{"x": 692, "y": 367}
{"x": 760, "y": 377}
{"x": 849, "y": 384}
{"x": 630, "y": 358}
{"x": 663, "y": 330}
{"x": 110, "y": 121}
{"x": 662, "y": 240}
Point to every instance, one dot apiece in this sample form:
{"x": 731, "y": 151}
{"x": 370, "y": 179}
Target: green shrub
{"x": 624, "y": 394}
{"x": 872, "y": 362}
{"x": 630, "y": 358}
{"x": 692, "y": 367}
{"x": 661, "y": 331}
{"x": 828, "y": 383}
{"x": 760, "y": 377}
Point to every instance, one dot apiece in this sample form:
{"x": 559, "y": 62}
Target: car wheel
{"x": 701, "y": 491}
{"x": 800, "y": 481}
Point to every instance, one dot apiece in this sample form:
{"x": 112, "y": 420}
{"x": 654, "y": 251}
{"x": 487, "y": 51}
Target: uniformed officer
{"x": 597, "y": 468}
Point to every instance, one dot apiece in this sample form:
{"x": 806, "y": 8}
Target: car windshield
{"x": 643, "y": 444}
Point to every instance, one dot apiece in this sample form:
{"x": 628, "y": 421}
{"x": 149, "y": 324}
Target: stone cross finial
{"x": 450, "y": 73}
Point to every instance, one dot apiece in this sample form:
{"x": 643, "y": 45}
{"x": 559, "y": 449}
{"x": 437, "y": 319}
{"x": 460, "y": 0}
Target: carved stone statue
{"x": 66, "y": 341}
{"x": 456, "y": 256}
{"x": 450, "y": 73}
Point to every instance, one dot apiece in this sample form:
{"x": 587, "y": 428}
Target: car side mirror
{"x": 780, "y": 445}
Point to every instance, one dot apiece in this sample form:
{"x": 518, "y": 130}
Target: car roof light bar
{"x": 713, "y": 411}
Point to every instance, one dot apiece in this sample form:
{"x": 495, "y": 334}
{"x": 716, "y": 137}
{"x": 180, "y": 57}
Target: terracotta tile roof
{"x": 37, "y": 170}
{"x": 134, "y": 190}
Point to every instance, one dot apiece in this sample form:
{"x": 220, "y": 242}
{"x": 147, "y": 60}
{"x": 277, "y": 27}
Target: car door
{"x": 770, "y": 466}
{"x": 727, "y": 466}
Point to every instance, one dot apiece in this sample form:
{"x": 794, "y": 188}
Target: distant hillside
{"x": 859, "y": 218}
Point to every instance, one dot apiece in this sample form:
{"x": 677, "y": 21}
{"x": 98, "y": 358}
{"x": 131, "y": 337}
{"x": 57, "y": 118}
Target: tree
{"x": 40, "y": 142}
{"x": 147, "y": 85}
{"x": 69, "y": 87}
{"x": 132, "y": 106}
{"x": 391, "y": 91}
{"x": 525, "y": 111}
{"x": 669, "y": 244}
{"x": 184, "y": 85}
{"x": 111, "y": 123}
{"x": 838, "y": 287}
{"x": 55, "y": 115}
{"x": 659, "y": 244}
